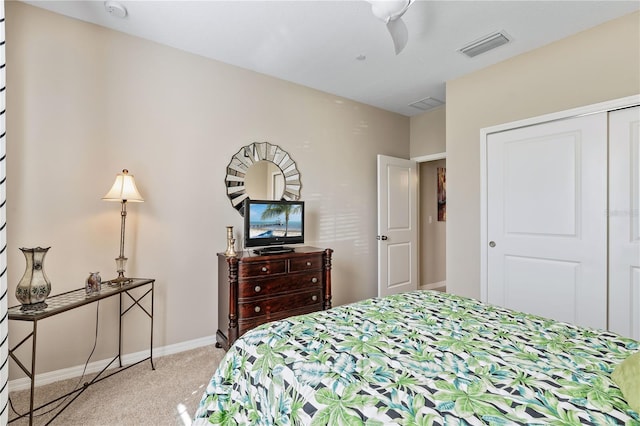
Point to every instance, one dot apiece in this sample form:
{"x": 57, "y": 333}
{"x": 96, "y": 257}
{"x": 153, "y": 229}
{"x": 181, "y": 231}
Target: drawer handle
{"x": 257, "y": 309}
{"x": 314, "y": 297}
{"x": 314, "y": 280}
{"x": 264, "y": 269}
{"x": 257, "y": 289}
{"x": 308, "y": 263}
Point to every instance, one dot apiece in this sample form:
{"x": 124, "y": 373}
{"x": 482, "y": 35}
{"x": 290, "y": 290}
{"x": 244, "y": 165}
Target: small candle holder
{"x": 231, "y": 251}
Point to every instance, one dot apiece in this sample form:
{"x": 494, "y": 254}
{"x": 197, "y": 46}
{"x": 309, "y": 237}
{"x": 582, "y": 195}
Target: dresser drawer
{"x": 275, "y": 306}
{"x": 248, "y": 324}
{"x": 260, "y": 269}
{"x": 306, "y": 263}
{"x": 250, "y": 288}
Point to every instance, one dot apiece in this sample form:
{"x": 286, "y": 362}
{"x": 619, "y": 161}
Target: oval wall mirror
{"x": 262, "y": 171}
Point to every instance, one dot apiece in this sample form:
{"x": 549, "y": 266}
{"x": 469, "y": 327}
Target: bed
{"x": 419, "y": 358}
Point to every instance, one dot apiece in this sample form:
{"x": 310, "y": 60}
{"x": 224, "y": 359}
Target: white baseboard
{"x": 96, "y": 366}
{"x": 433, "y": 286}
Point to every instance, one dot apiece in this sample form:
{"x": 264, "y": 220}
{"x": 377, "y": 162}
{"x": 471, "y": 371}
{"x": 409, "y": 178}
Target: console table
{"x": 74, "y": 299}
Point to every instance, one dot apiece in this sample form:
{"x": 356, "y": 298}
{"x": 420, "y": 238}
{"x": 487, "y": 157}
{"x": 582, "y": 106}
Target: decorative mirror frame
{"x": 251, "y": 154}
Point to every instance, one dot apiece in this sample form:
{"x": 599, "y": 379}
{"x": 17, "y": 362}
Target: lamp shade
{"x": 124, "y": 189}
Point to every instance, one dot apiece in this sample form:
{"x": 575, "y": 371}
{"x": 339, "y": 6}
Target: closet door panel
{"x": 547, "y": 224}
{"x": 624, "y": 222}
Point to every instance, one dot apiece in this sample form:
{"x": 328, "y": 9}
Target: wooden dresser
{"x": 255, "y": 289}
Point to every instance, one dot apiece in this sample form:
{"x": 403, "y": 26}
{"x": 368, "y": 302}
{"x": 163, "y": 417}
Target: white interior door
{"x": 546, "y": 219}
{"x": 397, "y": 225}
{"x": 624, "y": 222}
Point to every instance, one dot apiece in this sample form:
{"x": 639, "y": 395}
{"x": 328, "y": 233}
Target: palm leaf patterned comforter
{"x": 419, "y": 358}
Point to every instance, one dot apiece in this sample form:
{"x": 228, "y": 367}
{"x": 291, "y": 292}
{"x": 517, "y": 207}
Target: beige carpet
{"x": 137, "y": 396}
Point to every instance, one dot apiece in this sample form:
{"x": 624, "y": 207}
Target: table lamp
{"x": 123, "y": 190}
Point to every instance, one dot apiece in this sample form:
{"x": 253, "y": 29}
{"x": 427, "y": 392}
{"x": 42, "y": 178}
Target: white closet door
{"x": 624, "y": 222}
{"x": 546, "y": 220}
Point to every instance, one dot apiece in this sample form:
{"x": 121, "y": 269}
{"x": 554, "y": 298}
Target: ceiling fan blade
{"x": 399, "y": 34}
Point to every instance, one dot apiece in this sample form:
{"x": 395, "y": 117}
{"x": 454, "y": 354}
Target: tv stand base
{"x": 273, "y": 250}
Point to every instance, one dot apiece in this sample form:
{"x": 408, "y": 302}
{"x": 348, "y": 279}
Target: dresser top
{"x": 298, "y": 251}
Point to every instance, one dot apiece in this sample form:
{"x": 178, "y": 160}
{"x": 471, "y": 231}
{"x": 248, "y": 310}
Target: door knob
{"x": 382, "y": 237}
{"x": 492, "y": 244}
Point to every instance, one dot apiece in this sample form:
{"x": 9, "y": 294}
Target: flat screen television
{"x": 273, "y": 224}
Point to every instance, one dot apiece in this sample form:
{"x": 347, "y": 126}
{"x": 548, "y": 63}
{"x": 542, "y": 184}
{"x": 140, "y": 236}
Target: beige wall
{"x": 433, "y": 233}
{"x": 428, "y": 132}
{"x": 596, "y": 65}
{"x": 85, "y": 102}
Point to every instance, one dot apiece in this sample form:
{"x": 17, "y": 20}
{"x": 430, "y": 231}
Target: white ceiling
{"x": 316, "y": 43}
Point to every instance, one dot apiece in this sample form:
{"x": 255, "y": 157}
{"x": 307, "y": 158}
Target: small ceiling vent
{"x": 485, "y": 44}
{"x": 426, "y": 103}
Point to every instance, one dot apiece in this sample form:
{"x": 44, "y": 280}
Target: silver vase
{"x": 34, "y": 286}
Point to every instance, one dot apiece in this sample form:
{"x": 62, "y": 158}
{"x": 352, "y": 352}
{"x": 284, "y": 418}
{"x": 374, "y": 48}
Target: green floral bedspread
{"x": 419, "y": 358}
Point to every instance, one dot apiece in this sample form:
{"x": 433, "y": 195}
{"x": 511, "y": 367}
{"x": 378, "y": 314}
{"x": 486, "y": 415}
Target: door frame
{"x": 430, "y": 157}
{"x": 419, "y": 160}
{"x": 607, "y": 106}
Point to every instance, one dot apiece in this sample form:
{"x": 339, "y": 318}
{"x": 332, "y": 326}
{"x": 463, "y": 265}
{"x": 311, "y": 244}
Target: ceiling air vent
{"x": 485, "y": 44}
{"x": 426, "y": 103}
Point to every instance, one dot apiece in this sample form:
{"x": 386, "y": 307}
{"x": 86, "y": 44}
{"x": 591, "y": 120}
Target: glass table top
{"x": 64, "y": 301}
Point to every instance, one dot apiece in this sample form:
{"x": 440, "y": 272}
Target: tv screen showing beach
{"x": 275, "y": 220}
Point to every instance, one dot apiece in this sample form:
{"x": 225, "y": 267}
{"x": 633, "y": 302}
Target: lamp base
{"x": 120, "y": 281}
{"x": 121, "y": 263}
